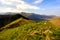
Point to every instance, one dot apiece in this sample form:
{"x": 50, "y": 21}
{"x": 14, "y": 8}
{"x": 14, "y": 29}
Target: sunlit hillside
{"x": 42, "y": 30}
{"x": 29, "y": 27}
{"x": 18, "y": 22}
{"x": 55, "y": 21}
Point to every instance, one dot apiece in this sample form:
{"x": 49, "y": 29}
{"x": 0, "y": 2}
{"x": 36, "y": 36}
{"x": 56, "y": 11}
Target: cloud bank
{"x": 20, "y": 6}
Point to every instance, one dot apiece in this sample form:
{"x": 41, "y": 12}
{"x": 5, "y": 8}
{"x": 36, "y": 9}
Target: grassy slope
{"x": 34, "y": 31}
{"x": 55, "y": 21}
{"x": 17, "y": 22}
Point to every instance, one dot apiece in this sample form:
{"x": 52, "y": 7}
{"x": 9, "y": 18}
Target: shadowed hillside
{"x": 18, "y": 22}
{"x": 6, "y": 19}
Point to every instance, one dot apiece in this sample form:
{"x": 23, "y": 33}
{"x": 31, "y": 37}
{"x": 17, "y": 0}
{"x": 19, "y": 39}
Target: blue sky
{"x": 45, "y": 7}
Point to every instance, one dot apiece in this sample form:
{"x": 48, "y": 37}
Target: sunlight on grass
{"x": 35, "y": 31}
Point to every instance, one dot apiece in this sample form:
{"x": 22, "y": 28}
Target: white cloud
{"x": 38, "y": 1}
{"x": 26, "y": 6}
{"x": 20, "y": 6}
{"x": 7, "y": 9}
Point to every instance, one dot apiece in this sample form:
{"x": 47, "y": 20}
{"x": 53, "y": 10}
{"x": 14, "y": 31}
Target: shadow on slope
{"x": 6, "y": 19}
{"x": 18, "y": 22}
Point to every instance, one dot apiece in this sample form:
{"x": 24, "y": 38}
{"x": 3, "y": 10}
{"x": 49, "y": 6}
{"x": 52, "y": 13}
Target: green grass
{"x": 35, "y": 31}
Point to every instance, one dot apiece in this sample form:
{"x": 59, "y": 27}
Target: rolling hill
{"x": 36, "y": 31}
{"x": 6, "y": 19}
{"x": 18, "y": 22}
{"x": 26, "y": 27}
{"x": 10, "y": 17}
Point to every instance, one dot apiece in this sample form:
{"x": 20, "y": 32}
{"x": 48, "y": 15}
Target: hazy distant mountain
{"x": 32, "y": 16}
{"x": 36, "y": 16}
